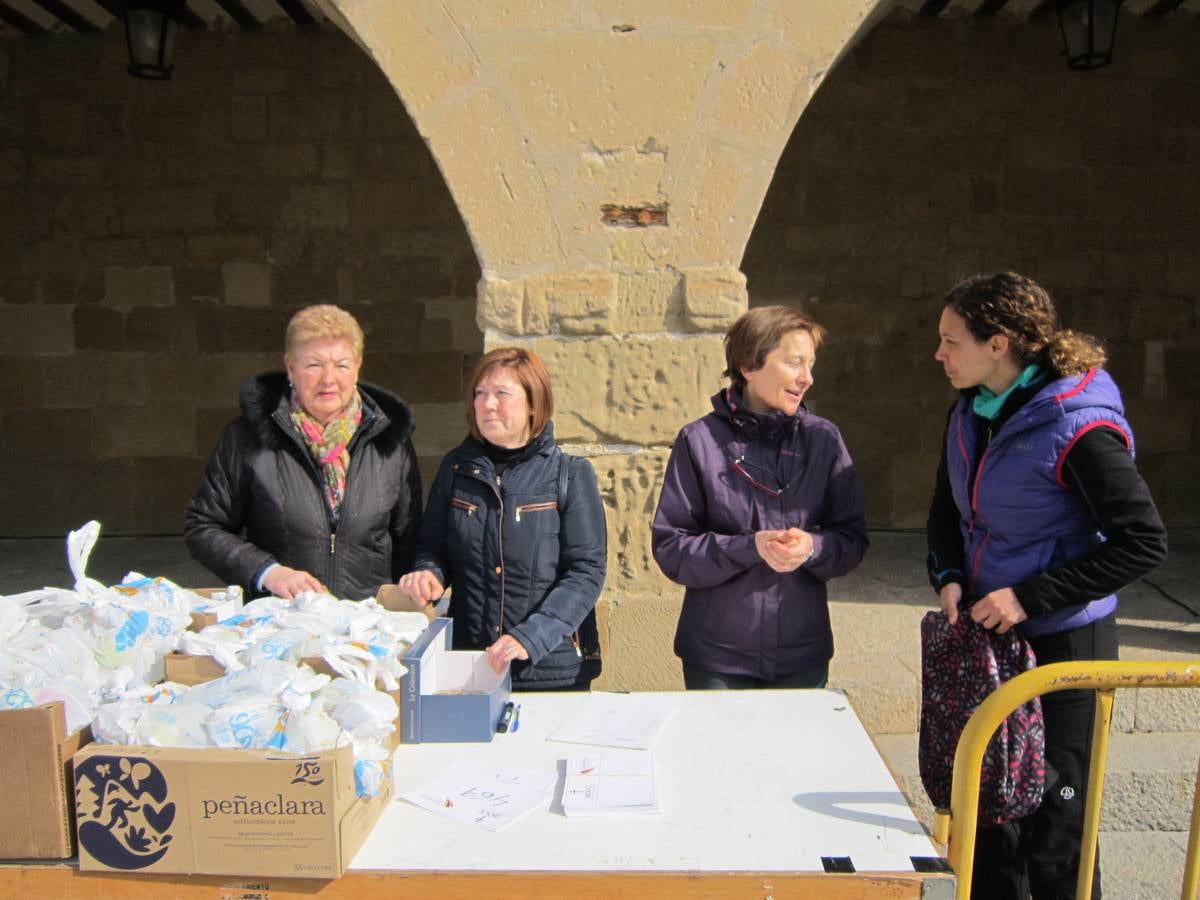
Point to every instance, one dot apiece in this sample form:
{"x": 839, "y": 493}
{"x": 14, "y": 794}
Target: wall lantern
{"x": 1088, "y": 29}
{"x": 150, "y": 33}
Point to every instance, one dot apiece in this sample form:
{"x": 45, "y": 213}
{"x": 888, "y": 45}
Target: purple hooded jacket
{"x": 739, "y": 616}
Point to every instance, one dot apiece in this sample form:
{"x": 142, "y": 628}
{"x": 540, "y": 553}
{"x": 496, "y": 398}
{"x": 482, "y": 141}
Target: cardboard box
{"x": 449, "y": 695}
{"x": 219, "y": 609}
{"x": 37, "y": 810}
{"x": 221, "y": 812}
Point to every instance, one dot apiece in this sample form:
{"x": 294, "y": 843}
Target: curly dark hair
{"x": 1021, "y": 309}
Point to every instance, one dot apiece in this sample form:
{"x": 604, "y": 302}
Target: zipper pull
{"x": 332, "y": 543}
{"x": 517, "y": 514}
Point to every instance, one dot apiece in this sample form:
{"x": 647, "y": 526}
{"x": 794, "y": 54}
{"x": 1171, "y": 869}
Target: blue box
{"x": 427, "y": 714}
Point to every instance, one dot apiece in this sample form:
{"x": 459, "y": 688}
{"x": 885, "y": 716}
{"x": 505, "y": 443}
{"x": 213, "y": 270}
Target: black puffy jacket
{"x": 263, "y": 480}
{"x": 521, "y": 559}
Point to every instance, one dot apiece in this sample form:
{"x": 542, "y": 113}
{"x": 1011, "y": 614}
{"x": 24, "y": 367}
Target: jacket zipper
{"x": 534, "y": 507}
{"x": 316, "y": 476}
{"x": 463, "y": 504}
{"x": 499, "y": 537}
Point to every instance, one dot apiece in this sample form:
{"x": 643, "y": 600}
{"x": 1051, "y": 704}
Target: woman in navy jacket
{"x": 516, "y": 528}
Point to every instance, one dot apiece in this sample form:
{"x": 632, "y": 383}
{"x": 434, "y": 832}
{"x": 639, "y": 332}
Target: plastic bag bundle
{"x": 91, "y": 643}
{"x": 271, "y": 705}
{"x": 359, "y": 640}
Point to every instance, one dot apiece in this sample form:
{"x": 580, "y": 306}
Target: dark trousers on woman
{"x": 697, "y": 679}
{"x": 1038, "y": 856}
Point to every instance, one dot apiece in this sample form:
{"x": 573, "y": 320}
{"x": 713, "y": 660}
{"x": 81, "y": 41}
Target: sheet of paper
{"x": 600, "y": 784}
{"x": 631, "y": 721}
{"x": 488, "y": 796}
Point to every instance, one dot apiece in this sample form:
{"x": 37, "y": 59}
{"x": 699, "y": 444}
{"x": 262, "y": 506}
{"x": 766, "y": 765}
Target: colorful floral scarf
{"x": 328, "y": 443}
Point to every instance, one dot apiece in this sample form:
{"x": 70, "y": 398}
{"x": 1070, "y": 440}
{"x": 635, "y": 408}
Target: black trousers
{"x": 1038, "y": 856}
{"x": 697, "y": 679}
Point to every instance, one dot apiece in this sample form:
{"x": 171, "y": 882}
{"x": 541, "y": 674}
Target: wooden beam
{"x": 19, "y": 21}
{"x": 932, "y": 8}
{"x": 238, "y": 12}
{"x": 1042, "y": 9}
{"x": 185, "y": 17}
{"x": 1161, "y": 8}
{"x": 68, "y": 14}
{"x": 298, "y": 11}
{"x": 989, "y": 8}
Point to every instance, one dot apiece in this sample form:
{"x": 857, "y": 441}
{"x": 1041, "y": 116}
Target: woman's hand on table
{"x": 784, "y": 551}
{"x": 286, "y": 582}
{"x": 422, "y": 586}
{"x": 504, "y": 651}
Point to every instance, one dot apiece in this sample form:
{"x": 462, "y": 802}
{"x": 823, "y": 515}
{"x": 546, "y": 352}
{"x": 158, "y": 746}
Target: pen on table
{"x": 516, "y": 722}
{"x": 505, "y": 717}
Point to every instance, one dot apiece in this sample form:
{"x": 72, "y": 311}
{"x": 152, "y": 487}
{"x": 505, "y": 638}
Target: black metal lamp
{"x": 1089, "y": 28}
{"x": 150, "y": 27}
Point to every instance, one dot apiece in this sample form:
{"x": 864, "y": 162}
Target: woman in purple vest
{"x": 760, "y": 506}
{"x": 1038, "y": 517}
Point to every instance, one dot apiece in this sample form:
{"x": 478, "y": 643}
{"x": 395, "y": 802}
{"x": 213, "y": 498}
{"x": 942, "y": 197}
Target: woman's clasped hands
{"x": 784, "y": 550}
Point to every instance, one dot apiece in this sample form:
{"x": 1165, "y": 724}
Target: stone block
{"x": 713, "y": 298}
{"x": 314, "y": 208}
{"x": 629, "y": 485}
{"x": 638, "y": 653}
{"x": 432, "y": 377}
{"x": 248, "y": 117}
{"x": 94, "y": 378}
{"x": 164, "y": 487}
{"x": 28, "y": 328}
{"x": 138, "y": 286}
{"x": 61, "y": 123}
{"x": 145, "y": 431}
{"x": 295, "y": 287}
{"x": 113, "y": 251}
{"x": 170, "y": 209}
{"x": 913, "y": 479}
{"x": 223, "y": 248}
{"x": 631, "y": 390}
{"x": 210, "y": 422}
{"x": 206, "y": 381}
{"x": 99, "y": 328}
{"x": 288, "y": 160}
{"x": 439, "y": 427}
{"x": 1163, "y": 425}
{"x": 575, "y": 302}
{"x": 247, "y": 283}
{"x": 198, "y": 282}
{"x": 1046, "y": 192}
{"x": 73, "y": 171}
{"x": 381, "y": 204}
{"x": 253, "y": 206}
{"x": 21, "y": 374}
{"x": 47, "y": 434}
{"x": 1149, "y": 781}
{"x": 158, "y": 328}
{"x": 501, "y": 307}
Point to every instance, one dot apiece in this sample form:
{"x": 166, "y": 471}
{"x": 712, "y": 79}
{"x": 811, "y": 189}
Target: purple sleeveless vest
{"x": 1020, "y": 518}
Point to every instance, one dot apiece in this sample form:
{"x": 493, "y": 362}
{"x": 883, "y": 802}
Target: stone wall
{"x": 155, "y": 238}
{"x": 938, "y": 149}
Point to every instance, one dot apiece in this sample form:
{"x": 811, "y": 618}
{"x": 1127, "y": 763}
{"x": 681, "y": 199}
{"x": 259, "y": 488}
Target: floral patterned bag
{"x": 960, "y": 665}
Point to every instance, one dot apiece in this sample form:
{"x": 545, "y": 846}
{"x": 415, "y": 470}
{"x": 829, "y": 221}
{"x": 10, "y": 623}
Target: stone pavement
{"x": 876, "y": 611}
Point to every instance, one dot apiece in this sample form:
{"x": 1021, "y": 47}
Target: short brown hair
{"x": 321, "y": 322}
{"x": 757, "y": 332}
{"x": 529, "y": 371}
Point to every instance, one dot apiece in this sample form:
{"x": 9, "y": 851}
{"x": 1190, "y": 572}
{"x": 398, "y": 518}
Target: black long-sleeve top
{"x": 1099, "y": 470}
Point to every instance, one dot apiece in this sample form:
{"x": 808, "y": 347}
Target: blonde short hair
{"x": 322, "y": 322}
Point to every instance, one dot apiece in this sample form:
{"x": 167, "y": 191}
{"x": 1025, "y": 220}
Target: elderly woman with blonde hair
{"x": 315, "y": 485}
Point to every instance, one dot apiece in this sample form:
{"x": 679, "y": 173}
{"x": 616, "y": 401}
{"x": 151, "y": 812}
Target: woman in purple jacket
{"x": 760, "y": 506}
{"x": 1038, "y": 517}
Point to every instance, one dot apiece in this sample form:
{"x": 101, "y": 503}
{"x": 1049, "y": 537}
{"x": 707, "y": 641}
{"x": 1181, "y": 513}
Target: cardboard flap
{"x": 439, "y": 631}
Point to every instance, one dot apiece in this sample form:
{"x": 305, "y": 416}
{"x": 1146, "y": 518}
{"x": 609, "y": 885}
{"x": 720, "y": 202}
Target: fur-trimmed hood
{"x": 264, "y": 403}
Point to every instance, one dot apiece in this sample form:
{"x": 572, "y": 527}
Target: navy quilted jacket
{"x": 520, "y": 560}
